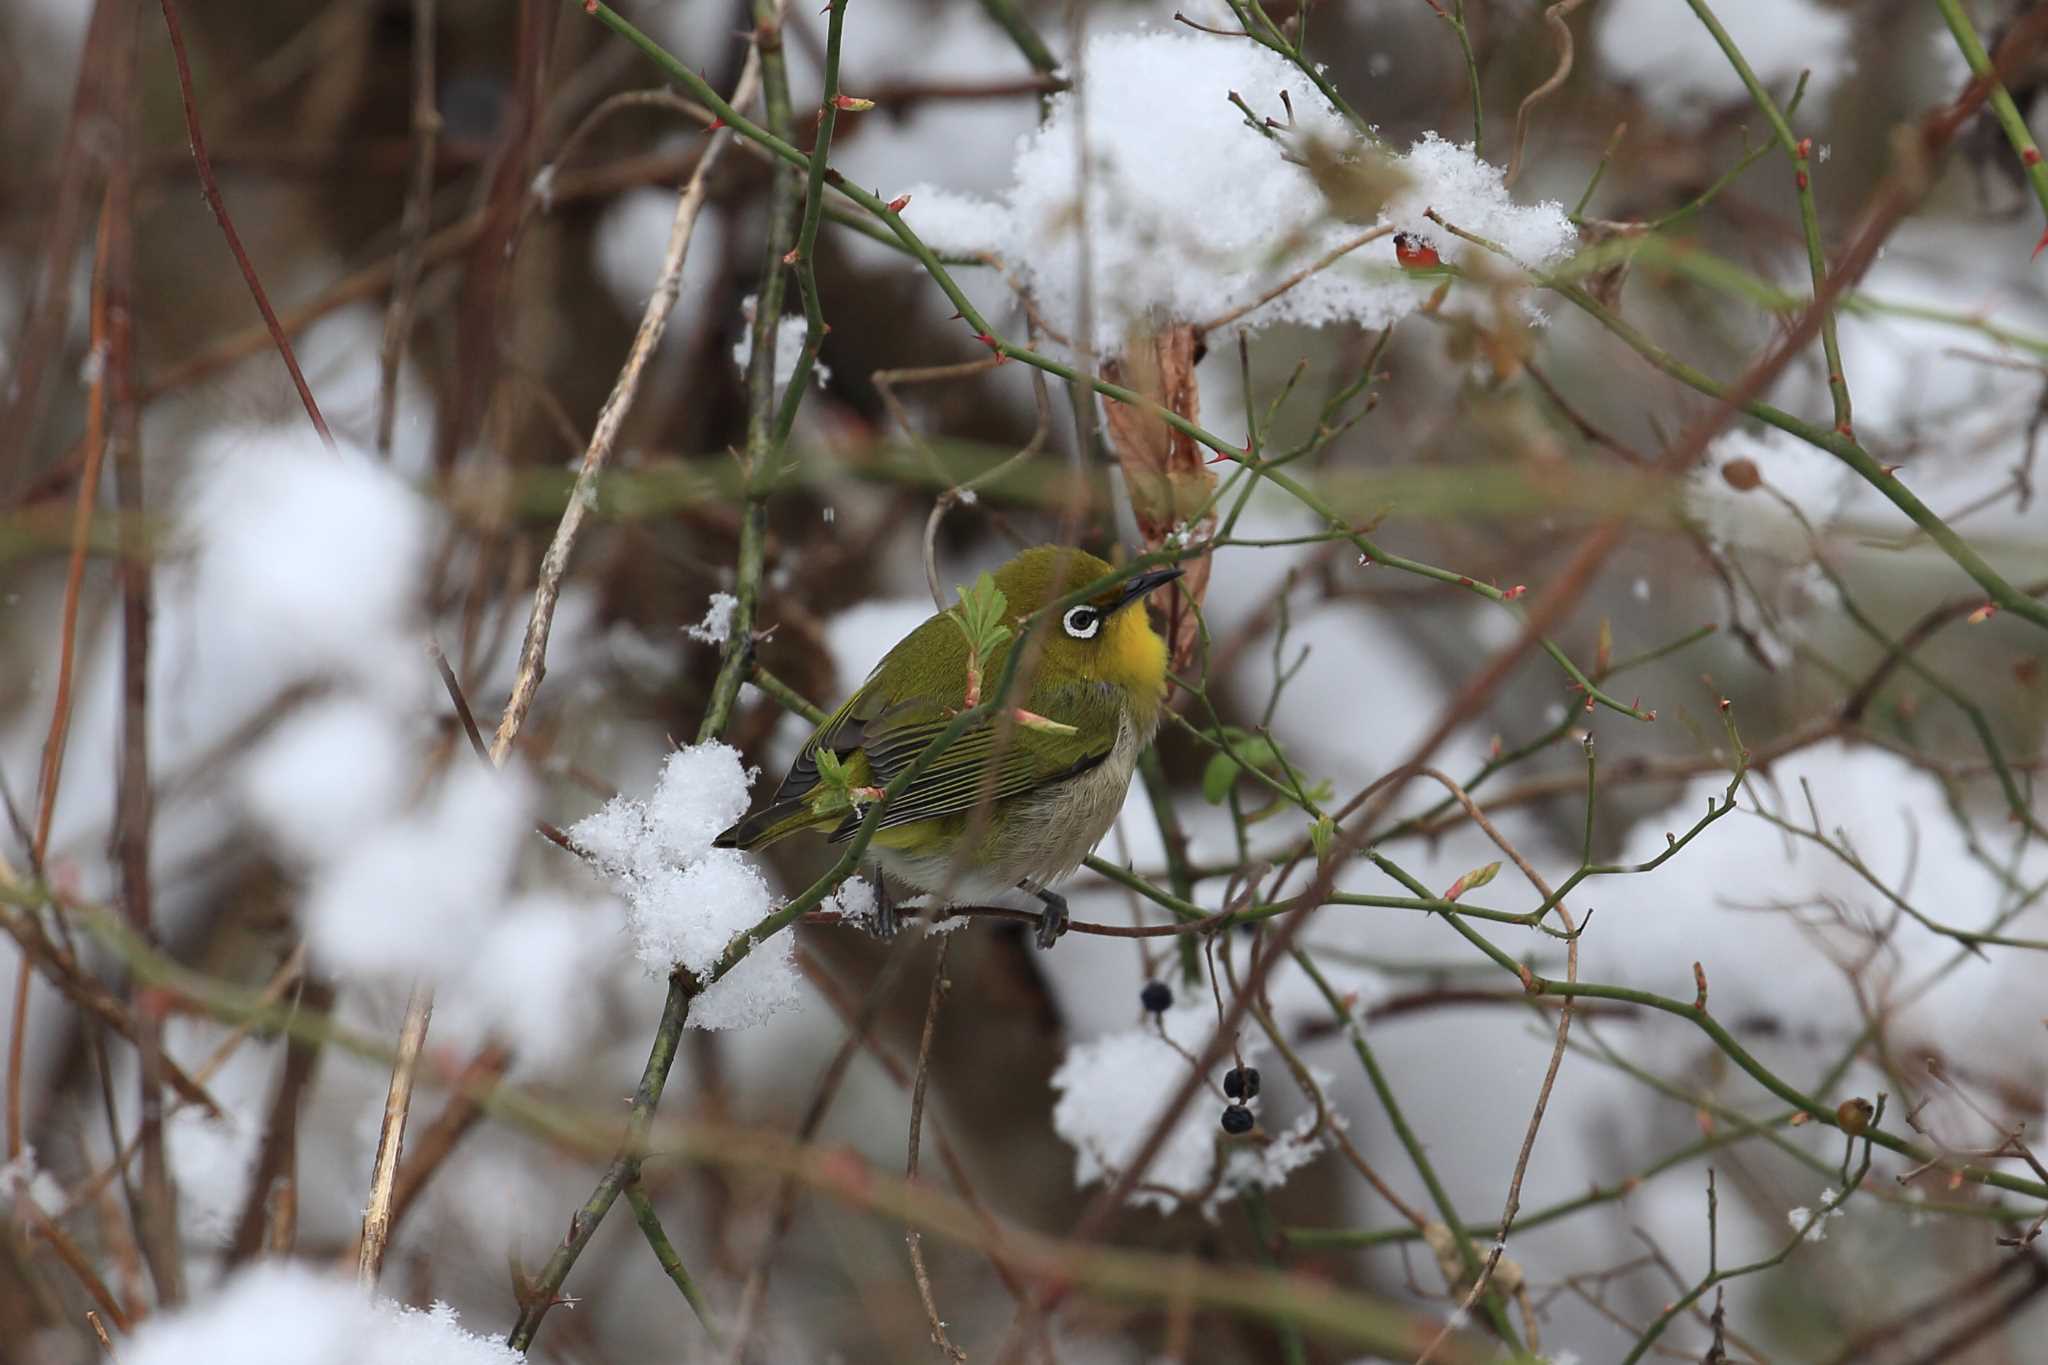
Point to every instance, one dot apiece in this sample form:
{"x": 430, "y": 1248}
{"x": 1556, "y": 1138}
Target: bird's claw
{"x": 884, "y": 924}
{"x": 1052, "y": 920}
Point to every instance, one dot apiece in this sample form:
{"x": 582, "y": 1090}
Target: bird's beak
{"x": 1144, "y": 583}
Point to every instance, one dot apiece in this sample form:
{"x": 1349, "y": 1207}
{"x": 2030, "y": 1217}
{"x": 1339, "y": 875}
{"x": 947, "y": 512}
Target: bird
{"x": 1052, "y": 779}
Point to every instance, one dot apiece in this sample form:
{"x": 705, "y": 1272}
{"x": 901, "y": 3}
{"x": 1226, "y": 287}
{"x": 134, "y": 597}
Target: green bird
{"x": 1053, "y": 781}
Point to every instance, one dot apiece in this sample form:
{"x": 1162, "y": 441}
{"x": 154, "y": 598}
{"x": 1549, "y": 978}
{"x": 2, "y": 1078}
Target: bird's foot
{"x": 1052, "y": 920}
{"x": 884, "y": 923}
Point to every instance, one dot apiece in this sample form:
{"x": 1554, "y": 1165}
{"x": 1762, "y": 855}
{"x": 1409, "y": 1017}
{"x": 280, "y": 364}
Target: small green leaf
{"x": 1031, "y": 720}
{"x": 1322, "y": 833}
{"x": 1477, "y": 877}
{"x": 1218, "y": 778}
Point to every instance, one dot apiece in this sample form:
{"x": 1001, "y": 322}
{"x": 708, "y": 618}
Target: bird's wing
{"x": 934, "y": 649}
{"x": 913, "y": 695}
{"x": 981, "y": 764}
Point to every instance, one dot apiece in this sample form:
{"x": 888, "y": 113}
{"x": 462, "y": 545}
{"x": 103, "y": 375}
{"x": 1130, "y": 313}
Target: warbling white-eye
{"x": 1053, "y": 782}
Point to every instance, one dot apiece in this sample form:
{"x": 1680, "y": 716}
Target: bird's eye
{"x": 1082, "y": 622}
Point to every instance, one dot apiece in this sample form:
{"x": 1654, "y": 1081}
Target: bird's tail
{"x": 767, "y": 825}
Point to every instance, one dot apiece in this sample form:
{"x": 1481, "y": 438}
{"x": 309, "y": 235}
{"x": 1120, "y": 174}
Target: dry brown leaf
{"x": 1166, "y": 470}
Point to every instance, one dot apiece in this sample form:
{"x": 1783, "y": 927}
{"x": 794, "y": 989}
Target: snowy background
{"x": 1860, "y": 913}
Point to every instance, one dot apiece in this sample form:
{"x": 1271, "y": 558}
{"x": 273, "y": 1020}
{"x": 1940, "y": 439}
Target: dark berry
{"x": 1241, "y": 1085}
{"x": 1237, "y": 1120}
{"x": 1156, "y": 997}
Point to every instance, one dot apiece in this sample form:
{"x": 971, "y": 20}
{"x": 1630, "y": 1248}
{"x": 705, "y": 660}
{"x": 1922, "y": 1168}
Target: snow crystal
{"x": 954, "y": 223}
{"x": 685, "y": 900}
{"x": 790, "y": 331}
{"x": 1678, "y": 68}
{"x": 854, "y": 902}
{"x": 1112, "y": 1088}
{"x": 717, "y": 622}
{"x": 280, "y": 1314}
{"x": 1799, "y": 1217}
{"x": 1195, "y": 216}
{"x": 418, "y": 893}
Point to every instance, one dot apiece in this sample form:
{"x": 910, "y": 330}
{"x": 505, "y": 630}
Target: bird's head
{"x": 1107, "y": 638}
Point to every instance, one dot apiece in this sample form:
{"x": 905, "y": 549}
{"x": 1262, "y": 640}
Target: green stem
{"x": 1468, "y": 1254}
{"x": 1842, "y": 447}
{"x": 807, "y": 235}
{"x": 1798, "y": 149}
{"x": 2002, "y": 107}
{"x": 671, "y": 1263}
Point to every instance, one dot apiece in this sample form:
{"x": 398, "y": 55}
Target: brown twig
{"x": 211, "y": 187}
{"x": 1324, "y": 262}
{"x": 912, "y": 1238}
{"x": 1554, "y": 16}
{"x": 75, "y": 1260}
{"x": 268, "y": 1212}
{"x": 134, "y": 813}
{"x": 653, "y": 323}
{"x": 412, "y": 1038}
{"x": 80, "y": 158}
{"x": 52, "y": 770}
{"x": 413, "y": 221}
{"x": 822, "y": 1095}
{"x": 433, "y": 1144}
{"x": 1564, "y": 1023}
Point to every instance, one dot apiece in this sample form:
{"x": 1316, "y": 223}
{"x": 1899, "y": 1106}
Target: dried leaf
{"x": 1165, "y": 470}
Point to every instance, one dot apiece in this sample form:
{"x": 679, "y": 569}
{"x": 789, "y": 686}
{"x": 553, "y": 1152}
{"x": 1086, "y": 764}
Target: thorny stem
{"x": 665, "y": 1252}
{"x": 1809, "y": 220}
{"x": 807, "y": 234}
{"x": 682, "y": 989}
{"x": 1716, "y": 1276}
{"x": 2000, "y": 99}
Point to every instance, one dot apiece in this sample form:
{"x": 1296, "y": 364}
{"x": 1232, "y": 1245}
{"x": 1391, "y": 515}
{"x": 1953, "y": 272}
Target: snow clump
{"x": 1199, "y": 215}
{"x": 281, "y": 1314}
{"x": 1112, "y": 1088}
{"x": 685, "y": 900}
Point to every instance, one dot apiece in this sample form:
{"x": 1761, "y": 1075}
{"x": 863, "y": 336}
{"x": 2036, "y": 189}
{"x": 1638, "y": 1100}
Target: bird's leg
{"x": 1052, "y": 921}
{"x": 883, "y": 926}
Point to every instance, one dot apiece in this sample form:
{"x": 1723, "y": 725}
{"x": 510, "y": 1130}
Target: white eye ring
{"x": 1082, "y": 622}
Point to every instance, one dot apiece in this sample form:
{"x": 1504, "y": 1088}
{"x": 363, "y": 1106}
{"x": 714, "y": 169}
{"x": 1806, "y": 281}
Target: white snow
{"x": 282, "y": 1314}
{"x": 1112, "y": 1088}
{"x": 717, "y": 622}
{"x": 790, "y": 331}
{"x": 1662, "y": 48}
{"x": 1799, "y": 1217}
{"x": 23, "y": 1178}
{"x": 1751, "y": 519}
{"x": 1197, "y": 215}
{"x": 630, "y": 241}
{"x": 685, "y": 900}
{"x": 534, "y": 982}
{"x": 419, "y": 892}
{"x": 308, "y": 560}
{"x": 326, "y": 775}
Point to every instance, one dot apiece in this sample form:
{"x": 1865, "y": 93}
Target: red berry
{"x": 1414, "y": 253}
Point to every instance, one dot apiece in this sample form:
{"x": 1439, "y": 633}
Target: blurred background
{"x": 314, "y": 815}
